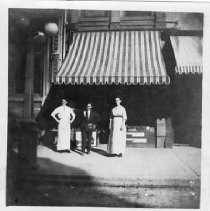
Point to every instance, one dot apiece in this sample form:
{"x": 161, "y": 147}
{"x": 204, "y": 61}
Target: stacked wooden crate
{"x": 165, "y": 133}
{"x": 140, "y": 136}
{"x": 161, "y": 133}
{"x": 169, "y": 134}
{"x": 78, "y": 138}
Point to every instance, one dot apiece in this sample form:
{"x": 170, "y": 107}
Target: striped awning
{"x": 126, "y": 57}
{"x": 188, "y": 53}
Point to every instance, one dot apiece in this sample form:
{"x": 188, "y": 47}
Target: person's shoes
{"x": 120, "y": 155}
{"x": 111, "y": 155}
{"x": 88, "y": 152}
{"x": 82, "y": 154}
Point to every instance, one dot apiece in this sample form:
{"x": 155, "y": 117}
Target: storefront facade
{"x": 97, "y": 55}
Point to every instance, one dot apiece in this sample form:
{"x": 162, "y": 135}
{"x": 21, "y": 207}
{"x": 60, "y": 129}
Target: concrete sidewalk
{"x": 139, "y": 167}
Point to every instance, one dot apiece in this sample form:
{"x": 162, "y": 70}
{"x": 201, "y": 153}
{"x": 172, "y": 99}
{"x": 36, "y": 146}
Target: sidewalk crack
{"x": 186, "y": 164}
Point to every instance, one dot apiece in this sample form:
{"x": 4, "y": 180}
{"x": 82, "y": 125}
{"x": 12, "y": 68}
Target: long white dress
{"x": 64, "y": 130}
{"x": 117, "y": 137}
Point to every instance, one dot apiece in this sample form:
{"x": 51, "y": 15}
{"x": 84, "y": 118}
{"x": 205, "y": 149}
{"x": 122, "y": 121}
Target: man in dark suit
{"x": 90, "y": 120}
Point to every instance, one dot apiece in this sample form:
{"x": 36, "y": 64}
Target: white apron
{"x": 64, "y": 129}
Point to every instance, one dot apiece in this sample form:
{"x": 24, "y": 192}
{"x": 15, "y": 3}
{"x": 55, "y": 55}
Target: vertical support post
{"x": 29, "y": 83}
{"x": 64, "y": 35}
{"x": 56, "y": 54}
{"x": 46, "y": 76}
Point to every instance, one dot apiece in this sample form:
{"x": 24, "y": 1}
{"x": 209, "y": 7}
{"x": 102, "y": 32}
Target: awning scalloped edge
{"x": 189, "y": 69}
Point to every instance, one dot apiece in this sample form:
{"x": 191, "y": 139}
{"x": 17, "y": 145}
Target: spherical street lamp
{"x": 24, "y": 21}
{"x": 51, "y": 29}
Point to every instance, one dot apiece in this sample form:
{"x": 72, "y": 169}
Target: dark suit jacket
{"x": 94, "y": 118}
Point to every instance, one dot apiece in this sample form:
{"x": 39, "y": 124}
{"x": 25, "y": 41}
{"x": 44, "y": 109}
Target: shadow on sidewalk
{"x": 99, "y": 151}
{"x": 48, "y": 141}
{"x": 35, "y": 188}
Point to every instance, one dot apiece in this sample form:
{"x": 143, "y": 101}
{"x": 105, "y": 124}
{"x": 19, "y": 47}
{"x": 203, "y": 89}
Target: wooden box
{"x": 78, "y": 138}
{"x": 160, "y": 142}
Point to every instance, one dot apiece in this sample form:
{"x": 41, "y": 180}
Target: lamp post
{"x": 37, "y": 38}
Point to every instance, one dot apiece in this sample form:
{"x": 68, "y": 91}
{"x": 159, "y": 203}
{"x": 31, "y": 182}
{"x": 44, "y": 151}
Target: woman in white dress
{"x": 117, "y": 137}
{"x": 64, "y": 115}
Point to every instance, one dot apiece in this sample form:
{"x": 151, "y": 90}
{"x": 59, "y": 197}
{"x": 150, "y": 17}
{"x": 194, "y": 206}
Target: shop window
{"x": 137, "y": 13}
{"x": 16, "y": 68}
{"x": 94, "y": 13}
{"x": 20, "y": 74}
{"x": 17, "y": 49}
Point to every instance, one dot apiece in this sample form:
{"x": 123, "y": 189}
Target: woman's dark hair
{"x": 118, "y": 97}
{"x": 64, "y": 99}
{"x": 89, "y": 102}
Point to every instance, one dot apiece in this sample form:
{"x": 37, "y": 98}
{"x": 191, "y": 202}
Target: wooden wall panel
{"x": 16, "y": 108}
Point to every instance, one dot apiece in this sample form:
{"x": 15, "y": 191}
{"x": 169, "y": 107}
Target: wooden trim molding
{"x": 168, "y": 31}
{"x": 21, "y": 99}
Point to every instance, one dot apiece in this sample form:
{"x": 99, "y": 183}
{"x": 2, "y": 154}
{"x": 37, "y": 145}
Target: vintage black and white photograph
{"x": 104, "y": 108}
